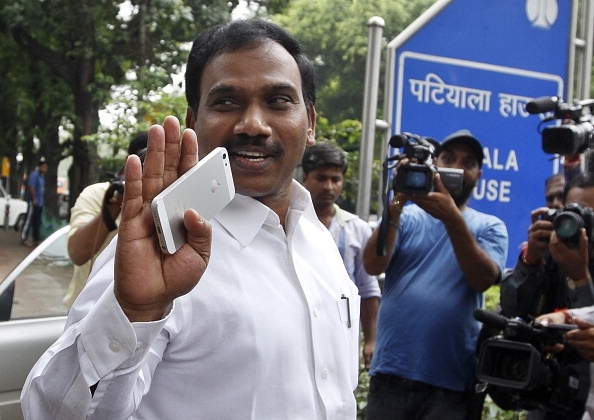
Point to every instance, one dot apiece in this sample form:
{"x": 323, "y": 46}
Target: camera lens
{"x": 567, "y": 226}
{"x": 416, "y": 179}
{"x": 516, "y": 369}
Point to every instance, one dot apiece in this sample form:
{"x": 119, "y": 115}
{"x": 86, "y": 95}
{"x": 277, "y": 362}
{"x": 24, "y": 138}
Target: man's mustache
{"x": 271, "y": 148}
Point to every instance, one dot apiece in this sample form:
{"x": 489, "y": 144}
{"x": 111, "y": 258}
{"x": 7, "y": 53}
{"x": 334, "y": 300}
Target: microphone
{"x": 491, "y": 319}
{"x": 542, "y": 104}
{"x": 499, "y": 322}
{"x": 398, "y": 140}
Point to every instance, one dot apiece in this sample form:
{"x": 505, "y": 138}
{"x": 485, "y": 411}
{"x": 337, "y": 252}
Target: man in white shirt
{"x": 324, "y": 167}
{"x": 251, "y": 318}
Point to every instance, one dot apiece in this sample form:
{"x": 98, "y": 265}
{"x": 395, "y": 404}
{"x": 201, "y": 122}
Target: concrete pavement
{"x": 11, "y": 250}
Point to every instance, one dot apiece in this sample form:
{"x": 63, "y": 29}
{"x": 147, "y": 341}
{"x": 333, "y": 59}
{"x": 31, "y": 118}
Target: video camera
{"x": 568, "y": 221}
{"x": 416, "y": 177}
{"x": 116, "y": 185}
{"x": 575, "y": 134}
{"x": 521, "y": 373}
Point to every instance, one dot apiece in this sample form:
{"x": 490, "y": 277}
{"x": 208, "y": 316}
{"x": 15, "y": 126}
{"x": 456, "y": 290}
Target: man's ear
{"x": 311, "y": 131}
{"x": 190, "y": 118}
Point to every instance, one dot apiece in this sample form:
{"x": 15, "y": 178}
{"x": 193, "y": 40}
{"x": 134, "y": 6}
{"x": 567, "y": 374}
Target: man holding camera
{"x": 442, "y": 255}
{"x": 94, "y": 222}
{"x": 554, "y": 269}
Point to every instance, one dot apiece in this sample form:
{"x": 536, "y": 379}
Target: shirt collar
{"x": 235, "y": 216}
{"x": 342, "y": 216}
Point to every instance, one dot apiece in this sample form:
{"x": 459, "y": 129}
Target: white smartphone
{"x": 207, "y": 187}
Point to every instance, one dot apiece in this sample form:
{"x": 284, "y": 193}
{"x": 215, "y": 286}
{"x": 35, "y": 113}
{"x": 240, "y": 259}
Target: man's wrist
{"x": 576, "y": 283}
{"x": 525, "y": 260}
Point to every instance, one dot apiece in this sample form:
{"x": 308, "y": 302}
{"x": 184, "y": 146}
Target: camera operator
{"x": 442, "y": 256}
{"x": 552, "y": 274}
{"x": 94, "y": 222}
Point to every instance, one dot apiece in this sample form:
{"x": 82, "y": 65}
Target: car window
{"x": 40, "y": 288}
{"x": 39, "y": 285}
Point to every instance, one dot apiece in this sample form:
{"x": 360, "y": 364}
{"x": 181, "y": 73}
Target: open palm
{"x": 146, "y": 280}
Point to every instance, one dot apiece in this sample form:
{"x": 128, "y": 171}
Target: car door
{"x": 32, "y": 315}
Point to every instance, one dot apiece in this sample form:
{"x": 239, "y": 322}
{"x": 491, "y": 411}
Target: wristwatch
{"x": 574, "y": 284}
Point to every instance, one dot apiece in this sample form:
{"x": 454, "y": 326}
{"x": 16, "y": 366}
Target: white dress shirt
{"x": 350, "y": 233}
{"x": 270, "y": 332}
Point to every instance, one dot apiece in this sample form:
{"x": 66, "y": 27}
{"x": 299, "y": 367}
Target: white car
{"x": 32, "y": 315}
{"x": 16, "y": 208}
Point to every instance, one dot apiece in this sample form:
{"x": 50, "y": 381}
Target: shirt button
{"x": 315, "y": 312}
{"x": 325, "y": 373}
{"x": 115, "y": 345}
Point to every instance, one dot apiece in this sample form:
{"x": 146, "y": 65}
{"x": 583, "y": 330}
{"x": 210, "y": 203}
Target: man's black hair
{"x": 238, "y": 34}
{"x": 558, "y": 175}
{"x": 583, "y": 180}
{"x": 322, "y": 155}
{"x": 138, "y": 143}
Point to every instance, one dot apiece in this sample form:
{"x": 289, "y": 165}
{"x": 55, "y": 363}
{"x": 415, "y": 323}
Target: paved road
{"x": 11, "y": 250}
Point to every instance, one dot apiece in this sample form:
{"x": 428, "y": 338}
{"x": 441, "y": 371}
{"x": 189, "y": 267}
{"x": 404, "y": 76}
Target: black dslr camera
{"x": 570, "y": 137}
{"x": 520, "y": 373}
{"x": 117, "y": 184}
{"x": 417, "y": 177}
{"x": 568, "y": 221}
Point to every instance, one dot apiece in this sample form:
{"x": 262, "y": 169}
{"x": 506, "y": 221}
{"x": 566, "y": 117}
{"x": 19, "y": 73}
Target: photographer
{"x": 441, "y": 256}
{"x": 94, "y": 222}
{"x": 552, "y": 273}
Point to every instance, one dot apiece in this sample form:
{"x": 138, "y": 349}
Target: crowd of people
{"x": 258, "y": 314}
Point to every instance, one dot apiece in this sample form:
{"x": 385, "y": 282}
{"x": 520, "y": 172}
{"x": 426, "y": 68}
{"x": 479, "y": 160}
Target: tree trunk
{"x": 83, "y": 170}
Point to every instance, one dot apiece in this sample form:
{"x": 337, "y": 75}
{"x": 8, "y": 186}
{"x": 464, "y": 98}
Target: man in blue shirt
{"x": 442, "y": 255}
{"x": 34, "y": 196}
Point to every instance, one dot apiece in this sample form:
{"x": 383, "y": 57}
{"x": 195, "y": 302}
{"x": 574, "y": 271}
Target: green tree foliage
{"x": 34, "y": 102}
{"x": 128, "y": 115}
{"x": 334, "y": 34}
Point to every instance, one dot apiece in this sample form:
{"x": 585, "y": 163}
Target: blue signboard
{"x": 475, "y": 65}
